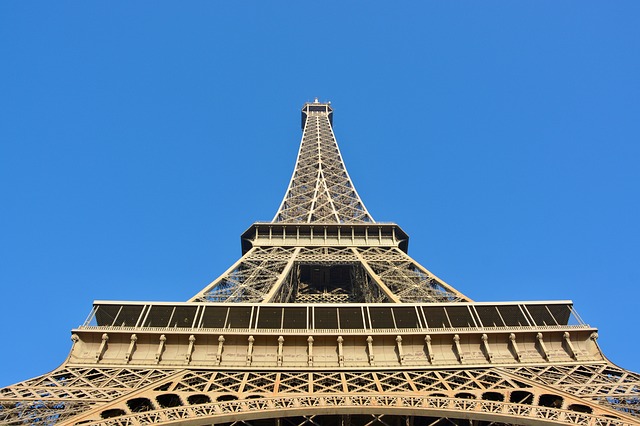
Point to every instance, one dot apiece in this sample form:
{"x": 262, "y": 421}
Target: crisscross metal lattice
{"x": 320, "y": 189}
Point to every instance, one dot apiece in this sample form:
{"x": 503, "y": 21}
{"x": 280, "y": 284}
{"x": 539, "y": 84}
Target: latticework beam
{"x": 320, "y": 189}
{"x": 209, "y": 396}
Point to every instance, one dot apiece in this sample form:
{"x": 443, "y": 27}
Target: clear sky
{"x": 138, "y": 140}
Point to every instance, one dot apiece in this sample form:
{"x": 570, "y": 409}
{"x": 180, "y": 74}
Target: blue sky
{"x": 138, "y": 140}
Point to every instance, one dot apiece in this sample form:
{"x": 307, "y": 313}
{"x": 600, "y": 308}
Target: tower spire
{"x": 320, "y": 190}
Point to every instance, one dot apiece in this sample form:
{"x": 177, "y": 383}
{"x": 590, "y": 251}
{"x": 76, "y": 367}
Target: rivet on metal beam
{"x": 192, "y": 342}
{"x": 220, "y": 347}
{"x": 250, "y": 350}
{"x": 103, "y": 347}
{"x": 340, "y": 352}
{"x": 280, "y": 344}
{"x": 487, "y": 349}
{"x": 456, "y": 344}
{"x": 310, "y": 352}
{"x": 570, "y": 348}
{"x": 370, "y": 348}
{"x": 132, "y": 347}
{"x": 514, "y": 345}
{"x": 400, "y": 351}
{"x": 543, "y": 348}
{"x": 430, "y": 355}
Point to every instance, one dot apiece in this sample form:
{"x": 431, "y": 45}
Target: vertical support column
{"x": 514, "y": 346}
{"x": 163, "y": 339}
{"x": 280, "y": 345}
{"x": 567, "y": 341}
{"x": 102, "y": 348}
{"x": 220, "y": 348}
{"x": 593, "y": 340}
{"x": 74, "y": 339}
{"x": 400, "y": 351}
{"x": 132, "y": 347}
{"x": 250, "y": 350}
{"x": 427, "y": 342}
{"x": 370, "y": 349}
{"x": 192, "y": 342}
{"x": 340, "y": 352}
{"x": 487, "y": 349}
{"x": 310, "y": 351}
{"x": 456, "y": 344}
{"x": 542, "y": 346}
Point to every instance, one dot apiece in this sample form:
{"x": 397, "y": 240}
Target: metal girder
{"x": 283, "y": 275}
{"x": 483, "y": 394}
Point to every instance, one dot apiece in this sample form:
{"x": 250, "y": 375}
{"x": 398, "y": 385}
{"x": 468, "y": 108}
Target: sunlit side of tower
{"x": 326, "y": 319}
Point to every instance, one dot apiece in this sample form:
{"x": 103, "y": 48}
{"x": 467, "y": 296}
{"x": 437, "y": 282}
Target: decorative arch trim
{"x": 428, "y": 406}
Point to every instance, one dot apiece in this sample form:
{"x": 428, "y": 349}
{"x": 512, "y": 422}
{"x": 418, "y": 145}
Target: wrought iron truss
{"x": 325, "y": 319}
{"x": 560, "y": 394}
{"x": 271, "y": 274}
{"x": 320, "y": 190}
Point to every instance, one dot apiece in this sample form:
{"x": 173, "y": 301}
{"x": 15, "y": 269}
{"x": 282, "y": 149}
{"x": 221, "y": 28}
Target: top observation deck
{"x": 316, "y": 107}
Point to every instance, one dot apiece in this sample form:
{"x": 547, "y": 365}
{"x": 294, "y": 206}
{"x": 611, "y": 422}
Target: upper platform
{"x": 316, "y": 107}
{"x": 284, "y": 234}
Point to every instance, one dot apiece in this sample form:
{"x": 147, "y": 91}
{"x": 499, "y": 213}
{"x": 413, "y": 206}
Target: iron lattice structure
{"x": 325, "y": 319}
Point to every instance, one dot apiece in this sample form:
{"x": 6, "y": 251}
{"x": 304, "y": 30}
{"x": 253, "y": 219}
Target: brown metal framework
{"x": 326, "y": 320}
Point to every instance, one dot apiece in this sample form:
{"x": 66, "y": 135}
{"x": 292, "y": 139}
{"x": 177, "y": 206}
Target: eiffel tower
{"x": 325, "y": 319}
